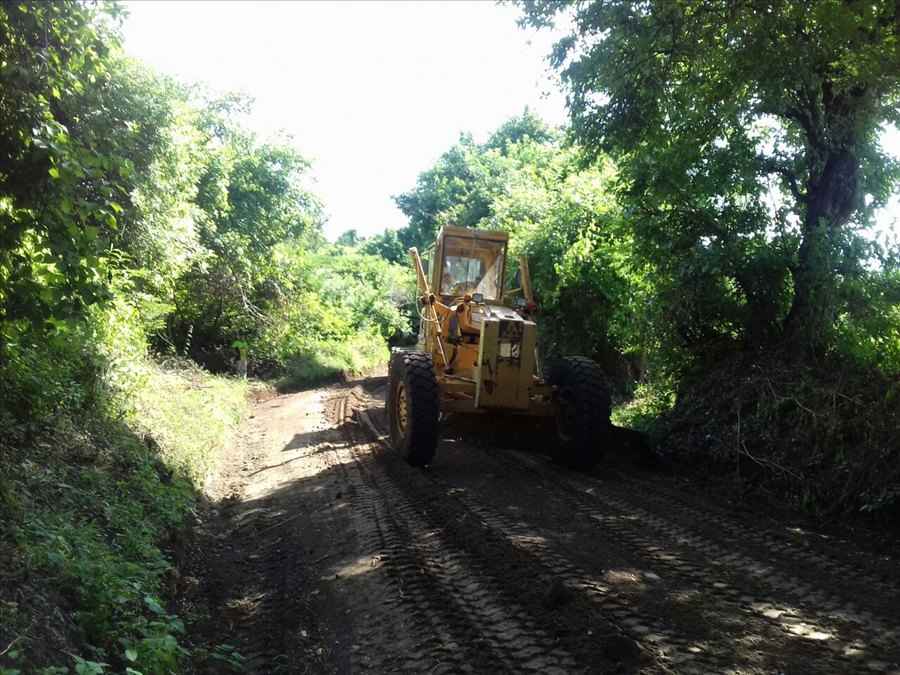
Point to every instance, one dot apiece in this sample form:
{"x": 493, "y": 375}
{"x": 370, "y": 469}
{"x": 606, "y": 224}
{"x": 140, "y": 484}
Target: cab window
{"x": 473, "y": 265}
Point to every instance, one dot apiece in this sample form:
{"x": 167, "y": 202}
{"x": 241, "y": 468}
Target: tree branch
{"x": 772, "y": 167}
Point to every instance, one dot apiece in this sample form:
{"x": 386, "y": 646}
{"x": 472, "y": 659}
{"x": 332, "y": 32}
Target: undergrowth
{"x": 101, "y": 448}
{"x": 332, "y": 360}
{"x": 824, "y": 438}
{"x": 189, "y": 414}
{"x": 648, "y": 405}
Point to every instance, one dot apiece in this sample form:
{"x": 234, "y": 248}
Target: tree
{"x": 147, "y": 117}
{"x": 250, "y": 198}
{"x": 57, "y": 168}
{"x": 386, "y": 245}
{"x": 349, "y": 238}
{"x": 449, "y": 193}
{"x": 518, "y": 129}
{"x": 703, "y": 102}
{"x": 561, "y": 215}
{"x": 463, "y": 184}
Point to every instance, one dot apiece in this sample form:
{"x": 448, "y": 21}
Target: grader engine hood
{"x": 506, "y": 354}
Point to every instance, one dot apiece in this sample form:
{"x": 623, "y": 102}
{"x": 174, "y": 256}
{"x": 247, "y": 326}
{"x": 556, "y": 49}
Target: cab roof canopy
{"x": 491, "y": 235}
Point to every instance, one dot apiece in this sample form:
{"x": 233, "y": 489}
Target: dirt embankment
{"x": 819, "y": 437}
{"x": 326, "y": 553}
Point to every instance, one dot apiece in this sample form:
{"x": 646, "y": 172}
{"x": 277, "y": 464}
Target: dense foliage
{"x": 703, "y": 231}
{"x": 140, "y": 222}
{"x": 343, "y": 311}
{"x": 747, "y": 137}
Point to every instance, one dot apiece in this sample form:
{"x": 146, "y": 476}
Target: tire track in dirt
{"x": 260, "y": 568}
{"x": 659, "y": 631}
{"x": 548, "y": 565}
{"x": 261, "y": 609}
{"x": 446, "y": 592}
{"x": 378, "y": 532}
{"x": 731, "y": 582}
{"x": 256, "y": 593}
{"x": 445, "y": 570}
{"x": 727, "y": 599}
{"x": 811, "y": 611}
{"x": 880, "y": 592}
{"x": 381, "y": 643}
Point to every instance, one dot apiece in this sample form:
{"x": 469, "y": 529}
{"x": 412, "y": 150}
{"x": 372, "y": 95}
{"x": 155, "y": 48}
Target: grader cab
{"x": 477, "y": 353}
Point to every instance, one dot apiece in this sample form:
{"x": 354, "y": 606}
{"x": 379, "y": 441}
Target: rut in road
{"x": 346, "y": 559}
{"x": 786, "y": 618}
{"x": 442, "y": 589}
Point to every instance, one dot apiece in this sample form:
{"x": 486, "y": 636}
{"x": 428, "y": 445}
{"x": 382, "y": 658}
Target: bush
{"x": 332, "y": 360}
{"x": 649, "y": 405}
{"x": 822, "y": 437}
{"x": 100, "y": 448}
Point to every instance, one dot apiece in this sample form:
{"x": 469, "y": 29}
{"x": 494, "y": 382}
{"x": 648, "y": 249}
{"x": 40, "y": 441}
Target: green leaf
{"x": 153, "y": 605}
{"x": 54, "y": 172}
{"x": 131, "y": 655}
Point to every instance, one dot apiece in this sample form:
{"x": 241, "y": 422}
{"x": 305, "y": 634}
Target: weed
{"x": 333, "y": 360}
{"x": 649, "y": 405}
{"x": 189, "y": 414}
{"x": 91, "y": 495}
{"x": 220, "y": 658}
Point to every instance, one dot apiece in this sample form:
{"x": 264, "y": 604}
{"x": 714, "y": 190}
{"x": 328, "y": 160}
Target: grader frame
{"x": 477, "y": 353}
{"x": 484, "y": 352}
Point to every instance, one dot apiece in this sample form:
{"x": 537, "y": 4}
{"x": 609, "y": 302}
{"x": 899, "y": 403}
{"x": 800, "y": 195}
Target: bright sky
{"x": 373, "y": 93}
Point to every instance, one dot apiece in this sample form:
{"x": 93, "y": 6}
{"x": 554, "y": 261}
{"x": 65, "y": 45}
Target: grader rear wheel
{"x": 412, "y": 406}
{"x": 582, "y": 414}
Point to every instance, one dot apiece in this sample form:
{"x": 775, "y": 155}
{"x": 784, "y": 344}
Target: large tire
{"x": 582, "y": 414}
{"x": 412, "y": 406}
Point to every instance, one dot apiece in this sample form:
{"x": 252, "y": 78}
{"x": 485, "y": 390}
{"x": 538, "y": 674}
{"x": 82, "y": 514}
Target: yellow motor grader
{"x": 477, "y": 352}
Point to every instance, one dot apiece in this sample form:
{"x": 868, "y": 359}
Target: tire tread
{"x": 589, "y": 386}
{"x": 416, "y": 369}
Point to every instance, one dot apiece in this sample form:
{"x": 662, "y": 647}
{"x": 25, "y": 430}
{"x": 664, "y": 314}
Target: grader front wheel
{"x": 412, "y": 406}
{"x": 582, "y": 413}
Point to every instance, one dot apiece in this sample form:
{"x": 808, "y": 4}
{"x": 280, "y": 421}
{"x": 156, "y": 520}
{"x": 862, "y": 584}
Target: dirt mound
{"x": 824, "y": 437}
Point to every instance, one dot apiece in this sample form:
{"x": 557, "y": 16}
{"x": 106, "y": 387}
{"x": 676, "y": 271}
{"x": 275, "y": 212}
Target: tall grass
{"x": 333, "y": 360}
{"x": 189, "y": 414}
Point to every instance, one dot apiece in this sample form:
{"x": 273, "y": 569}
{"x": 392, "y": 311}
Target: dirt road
{"x": 327, "y": 553}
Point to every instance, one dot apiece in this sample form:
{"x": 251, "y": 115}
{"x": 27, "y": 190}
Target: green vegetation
{"x": 709, "y": 107}
{"x": 341, "y": 317}
{"x": 747, "y": 140}
{"x": 142, "y": 227}
{"x": 707, "y": 218}
{"x": 95, "y": 488}
{"x": 701, "y": 230}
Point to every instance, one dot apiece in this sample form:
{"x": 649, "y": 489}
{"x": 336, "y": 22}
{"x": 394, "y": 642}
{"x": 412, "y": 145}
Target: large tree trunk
{"x": 832, "y": 199}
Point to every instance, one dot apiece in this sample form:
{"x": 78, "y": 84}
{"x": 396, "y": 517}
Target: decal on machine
{"x": 511, "y": 330}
